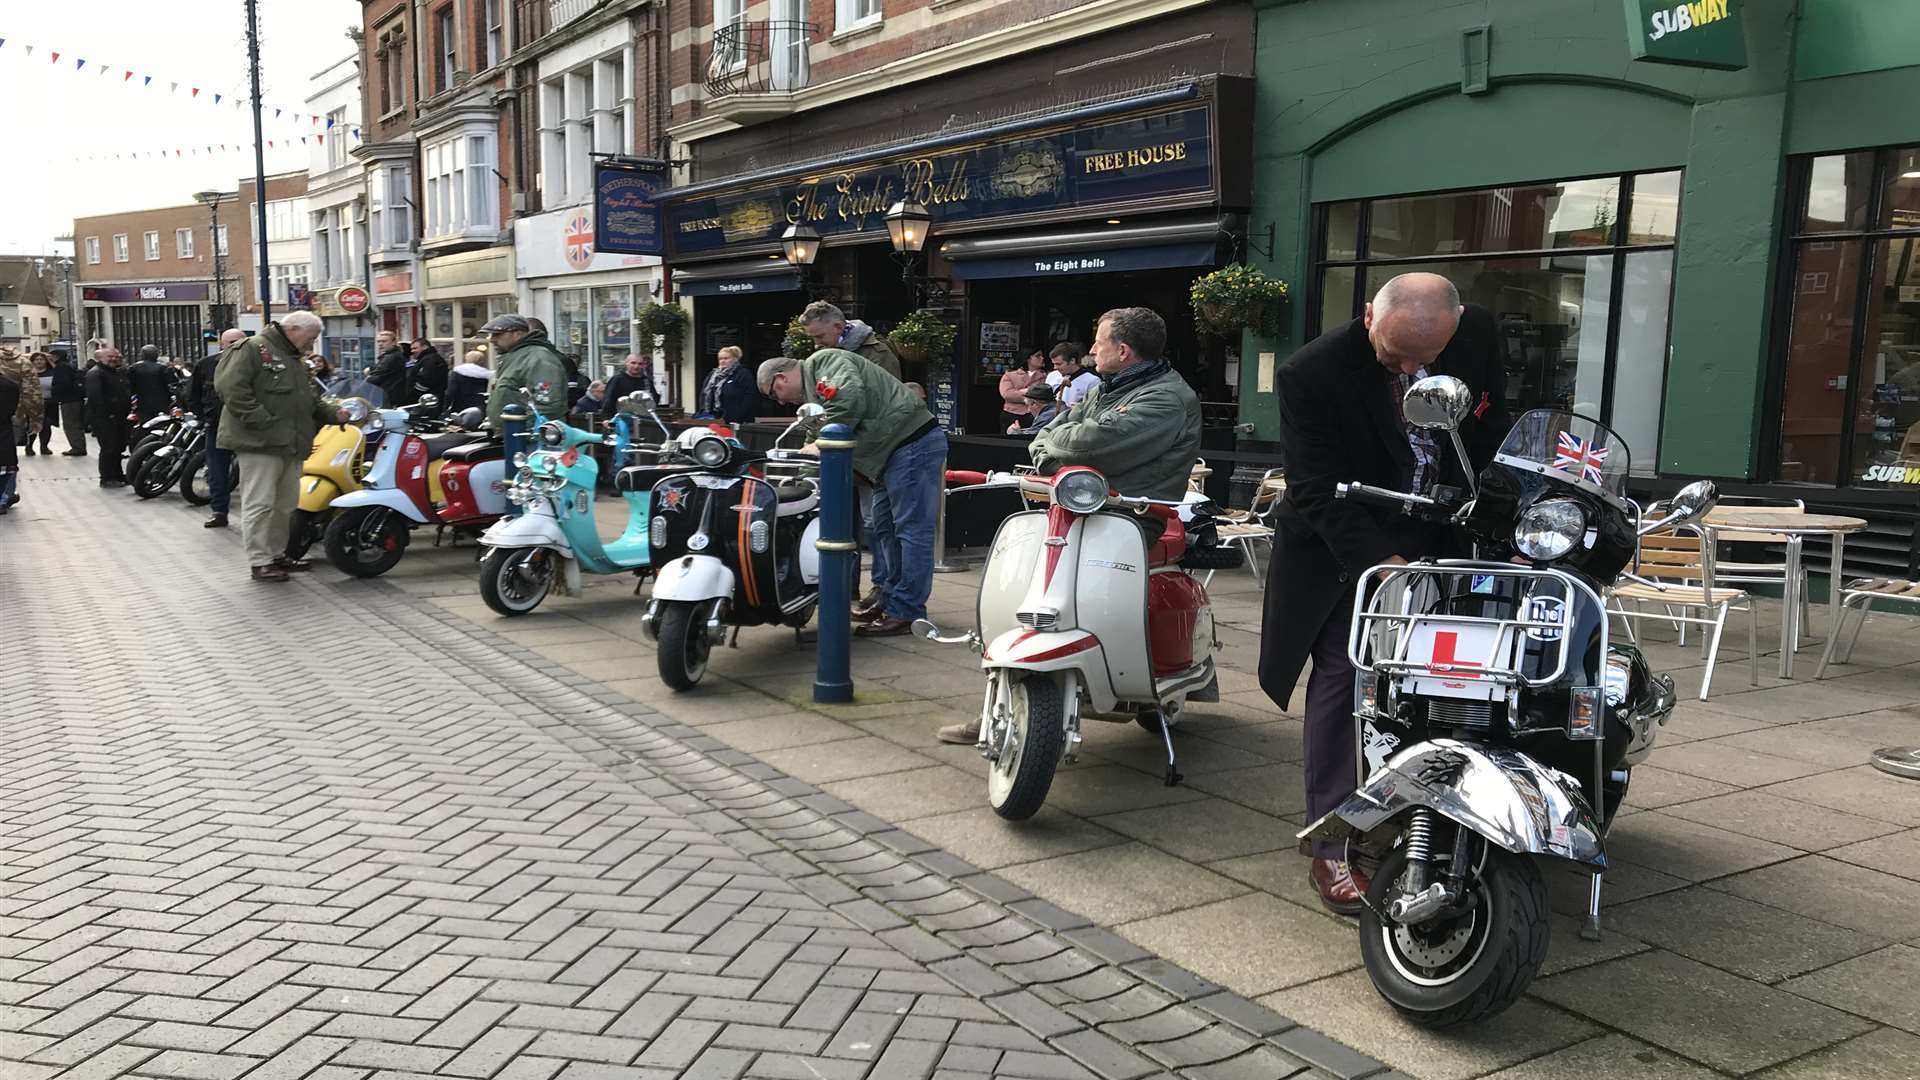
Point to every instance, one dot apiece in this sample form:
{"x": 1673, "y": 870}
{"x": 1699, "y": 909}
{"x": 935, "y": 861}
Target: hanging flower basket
{"x": 797, "y": 345}
{"x": 1236, "y": 298}
{"x": 924, "y": 338}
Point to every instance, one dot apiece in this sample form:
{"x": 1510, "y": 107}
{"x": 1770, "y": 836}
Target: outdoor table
{"x": 1794, "y": 527}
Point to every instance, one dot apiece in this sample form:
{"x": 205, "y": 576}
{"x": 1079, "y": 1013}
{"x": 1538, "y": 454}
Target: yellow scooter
{"x": 333, "y": 468}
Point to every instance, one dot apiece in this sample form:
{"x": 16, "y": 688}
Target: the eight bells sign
{"x": 1121, "y": 161}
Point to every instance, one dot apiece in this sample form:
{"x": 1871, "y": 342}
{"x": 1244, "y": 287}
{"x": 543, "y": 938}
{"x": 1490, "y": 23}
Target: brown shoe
{"x": 884, "y": 626}
{"x": 960, "y": 734}
{"x": 293, "y": 566}
{"x": 269, "y": 572}
{"x": 869, "y": 607}
{"x": 1341, "y": 889}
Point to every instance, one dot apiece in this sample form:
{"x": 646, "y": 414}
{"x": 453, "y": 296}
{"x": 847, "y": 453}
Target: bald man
{"x": 1340, "y": 420}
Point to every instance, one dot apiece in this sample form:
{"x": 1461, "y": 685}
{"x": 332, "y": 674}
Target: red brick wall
{"x": 380, "y": 16}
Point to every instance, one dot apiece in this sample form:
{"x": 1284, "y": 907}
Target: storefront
{"x": 588, "y": 299}
{"x": 462, "y": 292}
{"x": 172, "y": 315}
{"x": 347, "y": 326}
{"x": 396, "y": 301}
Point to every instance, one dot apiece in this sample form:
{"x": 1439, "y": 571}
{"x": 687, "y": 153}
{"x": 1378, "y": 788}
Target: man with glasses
{"x": 523, "y": 359}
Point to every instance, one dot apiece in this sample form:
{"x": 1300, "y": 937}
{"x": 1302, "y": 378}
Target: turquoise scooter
{"x": 554, "y": 538}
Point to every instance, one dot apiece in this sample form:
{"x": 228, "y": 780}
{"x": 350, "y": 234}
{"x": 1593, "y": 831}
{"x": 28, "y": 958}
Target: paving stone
{"x": 1884, "y": 1054}
{"x": 1842, "y": 893}
{"x": 1755, "y": 940}
{"x": 1122, "y": 883}
{"x": 1253, "y": 945}
{"x": 1608, "y": 1055}
{"x": 1878, "y": 985}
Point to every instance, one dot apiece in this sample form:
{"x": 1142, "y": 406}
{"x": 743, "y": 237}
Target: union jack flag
{"x": 1579, "y": 457}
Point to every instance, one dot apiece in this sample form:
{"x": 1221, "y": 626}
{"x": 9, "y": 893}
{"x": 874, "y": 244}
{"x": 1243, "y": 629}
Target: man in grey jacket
{"x": 830, "y": 328}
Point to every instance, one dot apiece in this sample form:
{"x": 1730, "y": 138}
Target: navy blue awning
{"x": 735, "y": 278}
{"x": 1112, "y": 250}
{"x": 1042, "y": 264}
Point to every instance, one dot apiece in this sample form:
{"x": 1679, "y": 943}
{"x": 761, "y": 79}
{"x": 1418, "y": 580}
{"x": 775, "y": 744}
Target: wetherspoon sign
{"x": 1705, "y": 33}
{"x": 626, "y": 208}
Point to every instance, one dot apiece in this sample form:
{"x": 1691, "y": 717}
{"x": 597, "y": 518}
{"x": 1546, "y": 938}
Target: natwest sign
{"x": 143, "y": 294}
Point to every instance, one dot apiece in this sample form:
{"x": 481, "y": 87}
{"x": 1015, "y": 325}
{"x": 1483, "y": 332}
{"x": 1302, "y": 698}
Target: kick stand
{"x": 734, "y": 641}
{"x": 1166, "y": 736}
{"x": 805, "y": 635}
{"x": 438, "y": 532}
{"x": 1590, "y": 929}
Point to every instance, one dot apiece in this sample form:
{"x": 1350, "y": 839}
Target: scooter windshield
{"x": 1570, "y": 449}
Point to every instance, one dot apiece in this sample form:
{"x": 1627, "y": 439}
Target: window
{"x": 119, "y": 247}
{"x": 287, "y": 219}
{"x": 93, "y": 250}
{"x": 390, "y": 202}
{"x": 337, "y": 148}
{"x": 460, "y": 186}
{"x": 151, "y": 241}
{"x": 1577, "y": 273}
{"x": 393, "y": 68}
{"x": 496, "y": 36}
{"x": 585, "y": 111}
{"x": 220, "y": 240}
{"x": 284, "y": 277}
{"x": 449, "y": 55}
{"x": 1850, "y": 378}
{"x": 183, "y": 243}
{"x": 729, "y": 28}
{"x": 322, "y": 247}
{"x": 851, "y": 14}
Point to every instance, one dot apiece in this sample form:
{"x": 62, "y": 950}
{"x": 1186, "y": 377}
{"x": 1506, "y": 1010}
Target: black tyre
{"x": 1017, "y": 782}
{"x": 1466, "y": 968}
{"x": 304, "y": 529}
{"x": 513, "y": 581}
{"x": 156, "y": 476}
{"x": 141, "y": 453}
{"x": 193, "y": 480}
{"x": 366, "y": 541}
{"x": 684, "y": 645}
{"x": 1217, "y": 557}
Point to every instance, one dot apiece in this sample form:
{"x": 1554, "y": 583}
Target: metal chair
{"x": 1673, "y": 561}
{"x": 1863, "y": 591}
{"x": 1250, "y": 526}
{"x": 1762, "y": 571}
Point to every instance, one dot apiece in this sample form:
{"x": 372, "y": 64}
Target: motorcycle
{"x": 1497, "y": 720}
{"x": 162, "y": 462}
{"x": 334, "y": 467}
{"x": 1082, "y": 615}
{"x": 151, "y": 435}
{"x": 455, "y": 479}
{"x": 554, "y": 487}
{"x": 731, "y": 546}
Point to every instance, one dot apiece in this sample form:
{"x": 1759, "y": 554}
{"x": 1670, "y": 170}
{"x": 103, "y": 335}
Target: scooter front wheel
{"x": 684, "y": 645}
{"x": 193, "y": 480}
{"x": 366, "y": 541}
{"x": 513, "y": 581}
{"x": 1017, "y": 781}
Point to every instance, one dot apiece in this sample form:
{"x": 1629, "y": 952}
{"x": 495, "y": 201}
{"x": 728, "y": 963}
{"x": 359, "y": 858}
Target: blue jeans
{"x": 905, "y": 506}
{"x": 219, "y": 469}
{"x": 878, "y": 570}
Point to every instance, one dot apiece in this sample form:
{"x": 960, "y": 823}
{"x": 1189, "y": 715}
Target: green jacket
{"x": 269, "y": 403}
{"x": 859, "y": 393}
{"x": 865, "y": 340}
{"x": 1141, "y": 429}
{"x": 536, "y": 365}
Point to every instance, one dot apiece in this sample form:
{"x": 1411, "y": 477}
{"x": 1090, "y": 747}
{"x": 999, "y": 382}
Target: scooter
{"x": 732, "y": 546}
{"x": 455, "y": 479}
{"x": 335, "y": 466}
{"x": 554, "y": 487}
{"x": 1081, "y": 615}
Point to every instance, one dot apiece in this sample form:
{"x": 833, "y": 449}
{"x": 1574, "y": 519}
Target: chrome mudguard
{"x": 1503, "y": 795}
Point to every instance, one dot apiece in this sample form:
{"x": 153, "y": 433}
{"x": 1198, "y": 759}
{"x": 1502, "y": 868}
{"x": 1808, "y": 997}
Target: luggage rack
{"x": 1373, "y": 628}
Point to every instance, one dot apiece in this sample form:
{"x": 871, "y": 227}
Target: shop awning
{"x": 1110, "y": 250}
{"x": 733, "y": 278}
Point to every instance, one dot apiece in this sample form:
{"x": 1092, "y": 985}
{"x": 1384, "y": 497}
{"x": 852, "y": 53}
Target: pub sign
{"x": 626, "y": 208}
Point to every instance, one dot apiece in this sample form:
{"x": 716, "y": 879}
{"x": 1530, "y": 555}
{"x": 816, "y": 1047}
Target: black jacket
{"x": 736, "y": 399}
{"x": 427, "y": 375}
{"x": 153, "y": 387}
{"x": 108, "y": 397}
{"x": 67, "y": 386}
{"x": 623, "y": 384}
{"x": 389, "y": 373}
{"x": 200, "y": 394}
{"x": 1338, "y": 423}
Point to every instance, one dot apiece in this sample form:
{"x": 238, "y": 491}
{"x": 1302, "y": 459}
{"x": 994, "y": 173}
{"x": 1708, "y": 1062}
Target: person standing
{"x": 20, "y": 404}
{"x": 467, "y": 384}
{"x": 152, "y": 384}
{"x": 831, "y": 329}
{"x": 389, "y": 371}
{"x": 49, "y": 411}
{"x": 270, "y": 412}
{"x": 1341, "y": 420}
{"x": 108, "y": 399}
{"x": 633, "y": 375}
{"x": 730, "y": 393}
{"x": 901, "y": 450}
{"x": 524, "y": 360}
{"x": 204, "y": 400}
{"x": 428, "y": 372}
{"x": 1016, "y": 409}
{"x": 70, "y": 396}
{"x": 1069, "y": 380}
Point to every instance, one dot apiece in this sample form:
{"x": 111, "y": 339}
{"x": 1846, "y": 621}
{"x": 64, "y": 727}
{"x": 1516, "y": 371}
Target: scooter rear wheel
{"x": 513, "y": 581}
{"x": 684, "y": 645}
{"x": 1017, "y": 783}
{"x": 363, "y": 546}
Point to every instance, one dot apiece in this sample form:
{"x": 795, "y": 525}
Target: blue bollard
{"x": 513, "y": 431}
{"x": 833, "y": 675}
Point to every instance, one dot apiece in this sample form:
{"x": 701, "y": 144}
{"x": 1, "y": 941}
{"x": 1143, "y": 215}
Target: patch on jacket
{"x": 825, "y": 389}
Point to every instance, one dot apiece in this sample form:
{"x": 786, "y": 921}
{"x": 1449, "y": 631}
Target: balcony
{"x": 535, "y": 19}
{"x": 756, "y": 67}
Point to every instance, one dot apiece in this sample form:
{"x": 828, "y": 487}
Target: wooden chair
{"x": 1680, "y": 565}
{"x": 1863, "y": 592}
{"x": 1761, "y": 571}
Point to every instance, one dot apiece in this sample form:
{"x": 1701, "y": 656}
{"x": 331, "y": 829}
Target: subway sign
{"x": 1704, "y": 33}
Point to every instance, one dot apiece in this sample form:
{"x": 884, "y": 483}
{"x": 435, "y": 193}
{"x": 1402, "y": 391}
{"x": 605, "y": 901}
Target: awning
{"x": 735, "y": 278}
{"x": 1087, "y": 251}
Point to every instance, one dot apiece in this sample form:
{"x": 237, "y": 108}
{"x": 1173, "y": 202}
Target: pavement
{"x": 1762, "y": 916}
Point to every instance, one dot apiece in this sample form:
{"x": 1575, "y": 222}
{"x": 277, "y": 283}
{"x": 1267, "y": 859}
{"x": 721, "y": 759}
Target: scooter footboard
{"x": 1503, "y": 795}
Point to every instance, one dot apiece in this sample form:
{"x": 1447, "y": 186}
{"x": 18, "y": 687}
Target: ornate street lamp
{"x": 801, "y": 243}
{"x": 907, "y": 226}
{"x": 212, "y": 200}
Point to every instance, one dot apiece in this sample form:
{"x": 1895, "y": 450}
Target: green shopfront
{"x": 1699, "y": 222}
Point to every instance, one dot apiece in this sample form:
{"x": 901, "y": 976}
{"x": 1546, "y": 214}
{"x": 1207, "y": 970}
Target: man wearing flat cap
{"x": 523, "y": 358}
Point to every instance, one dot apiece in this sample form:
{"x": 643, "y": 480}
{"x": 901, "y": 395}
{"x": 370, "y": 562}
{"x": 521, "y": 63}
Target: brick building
{"x": 147, "y": 276}
{"x": 288, "y": 245}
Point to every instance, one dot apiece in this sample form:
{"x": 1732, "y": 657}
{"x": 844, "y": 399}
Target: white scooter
{"x": 1078, "y": 615}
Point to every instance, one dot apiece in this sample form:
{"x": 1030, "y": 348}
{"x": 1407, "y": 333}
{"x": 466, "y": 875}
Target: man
{"x": 1341, "y": 420}
{"x": 830, "y": 329}
{"x": 901, "y": 451}
{"x": 633, "y": 375}
{"x": 205, "y": 403}
{"x": 729, "y": 392}
{"x": 524, "y": 360}
{"x": 1069, "y": 380}
{"x": 70, "y": 394}
{"x": 427, "y": 373}
{"x": 587, "y": 409}
{"x": 270, "y": 411}
{"x": 108, "y": 399}
{"x": 1039, "y": 398}
{"x": 152, "y": 384}
{"x": 389, "y": 371}
{"x": 467, "y": 384}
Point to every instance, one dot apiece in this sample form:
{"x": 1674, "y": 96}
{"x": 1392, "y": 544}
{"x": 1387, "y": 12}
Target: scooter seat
{"x": 439, "y": 445}
{"x": 1171, "y": 547}
{"x": 793, "y": 492}
{"x": 486, "y": 450}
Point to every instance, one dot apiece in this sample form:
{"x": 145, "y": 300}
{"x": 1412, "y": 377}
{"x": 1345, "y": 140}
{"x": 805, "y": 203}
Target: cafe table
{"x": 1793, "y": 527}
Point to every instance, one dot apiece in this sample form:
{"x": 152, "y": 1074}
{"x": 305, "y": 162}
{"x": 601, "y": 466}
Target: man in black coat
{"x": 633, "y": 375}
{"x": 153, "y": 384}
{"x": 427, "y": 374}
{"x": 389, "y": 371}
{"x": 205, "y": 403}
{"x": 1341, "y": 420}
{"x": 108, "y": 399}
{"x": 70, "y": 394}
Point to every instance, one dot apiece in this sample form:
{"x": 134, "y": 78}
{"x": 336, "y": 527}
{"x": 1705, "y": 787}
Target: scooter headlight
{"x": 1082, "y": 491}
{"x": 552, "y": 434}
{"x": 711, "y": 451}
{"x": 1549, "y": 529}
{"x": 520, "y": 460}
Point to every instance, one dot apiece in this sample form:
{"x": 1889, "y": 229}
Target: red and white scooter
{"x": 1079, "y": 616}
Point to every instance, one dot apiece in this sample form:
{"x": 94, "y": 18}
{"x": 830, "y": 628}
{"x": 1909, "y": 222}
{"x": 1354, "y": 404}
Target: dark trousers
{"x": 112, "y": 440}
{"x": 219, "y": 470}
{"x": 73, "y": 421}
{"x": 1329, "y": 730}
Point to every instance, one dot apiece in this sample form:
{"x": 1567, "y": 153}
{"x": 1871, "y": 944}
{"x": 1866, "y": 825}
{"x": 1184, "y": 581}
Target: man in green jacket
{"x": 899, "y": 448}
{"x": 523, "y": 358}
{"x": 270, "y": 411}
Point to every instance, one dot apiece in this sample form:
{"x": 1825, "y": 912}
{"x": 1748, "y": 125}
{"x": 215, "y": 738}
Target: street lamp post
{"x": 907, "y": 226}
{"x": 212, "y": 200}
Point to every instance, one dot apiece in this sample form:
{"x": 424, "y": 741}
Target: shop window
{"x": 573, "y": 324}
{"x": 1849, "y": 388}
{"x": 1577, "y": 273}
{"x": 613, "y": 324}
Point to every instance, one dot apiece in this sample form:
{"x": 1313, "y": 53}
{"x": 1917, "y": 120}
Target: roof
{"x": 19, "y": 284}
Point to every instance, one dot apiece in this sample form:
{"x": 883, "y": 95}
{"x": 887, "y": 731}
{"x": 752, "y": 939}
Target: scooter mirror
{"x": 1438, "y": 403}
{"x": 1693, "y": 502}
{"x": 811, "y": 411}
{"x": 428, "y": 401}
{"x": 639, "y": 402}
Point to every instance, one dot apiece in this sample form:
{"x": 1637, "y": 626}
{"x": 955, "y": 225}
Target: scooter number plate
{"x": 1456, "y": 656}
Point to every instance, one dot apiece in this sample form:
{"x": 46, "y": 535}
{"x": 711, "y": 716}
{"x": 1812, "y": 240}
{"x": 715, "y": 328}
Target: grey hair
{"x": 771, "y": 368}
{"x": 299, "y": 320}
{"x": 1429, "y": 299}
{"x": 820, "y": 311}
{"x": 1138, "y": 328}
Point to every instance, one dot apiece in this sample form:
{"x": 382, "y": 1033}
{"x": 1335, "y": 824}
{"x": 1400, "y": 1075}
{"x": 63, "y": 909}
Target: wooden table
{"x": 1793, "y": 527}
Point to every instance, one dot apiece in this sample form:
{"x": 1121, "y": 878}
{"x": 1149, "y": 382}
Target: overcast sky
{"x": 56, "y": 112}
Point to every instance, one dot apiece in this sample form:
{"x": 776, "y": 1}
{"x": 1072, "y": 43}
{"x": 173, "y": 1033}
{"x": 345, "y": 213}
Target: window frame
{"x": 220, "y": 244}
{"x": 122, "y": 252}
{"x": 458, "y": 181}
{"x": 92, "y": 248}
{"x": 183, "y": 242}
{"x": 847, "y": 17}
{"x": 493, "y": 37}
{"x": 150, "y": 245}
{"x": 736, "y": 15}
{"x": 449, "y": 49}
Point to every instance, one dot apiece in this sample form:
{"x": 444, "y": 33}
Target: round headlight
{"x": 356, "y": 409}
{"x": 552, "y": 434}
{"x": 520, "y": 460}
{"x": 711, "y": 451}
{"x": 376, "y": 422}
{"x": 1082, "y": 491}
{"x": 1549, "y": 529}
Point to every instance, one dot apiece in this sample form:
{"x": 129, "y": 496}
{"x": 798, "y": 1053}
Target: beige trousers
{"x": 269, "y": 493}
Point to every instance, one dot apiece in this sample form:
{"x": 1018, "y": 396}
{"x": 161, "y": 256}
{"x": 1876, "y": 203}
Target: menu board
{"x": 999, "y": 350}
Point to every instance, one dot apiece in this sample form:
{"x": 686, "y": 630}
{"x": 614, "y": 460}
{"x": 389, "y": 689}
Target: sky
{"x": 60, "y": 113}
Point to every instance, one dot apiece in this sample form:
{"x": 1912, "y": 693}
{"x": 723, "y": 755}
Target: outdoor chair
{"x": 1675, "y": 561}
{"x": 1761, "y": 570}
{"x": 1250, "y": 526}
{"x": 1863, "y": 592}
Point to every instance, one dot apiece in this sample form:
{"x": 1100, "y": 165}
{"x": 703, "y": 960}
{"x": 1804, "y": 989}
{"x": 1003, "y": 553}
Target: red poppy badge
{"x": 825, "y": 390}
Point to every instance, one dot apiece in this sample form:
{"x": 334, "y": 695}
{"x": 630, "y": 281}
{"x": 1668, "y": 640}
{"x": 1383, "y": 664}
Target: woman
{"x": 332, "y": 381}
{"x": 20, "y": 404}
{"x": 50, "y": 409}
{"x": 467, "y": 384}
{"x": 1016, "y": 410}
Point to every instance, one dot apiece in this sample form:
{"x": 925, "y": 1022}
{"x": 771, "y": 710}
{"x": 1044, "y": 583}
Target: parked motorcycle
{"x": 155, "y": 432}
{"x": 454, "y": 479}
{"x": 162, "y": 462}
{"x": 1498, "y": 720}
{"x": 556, "y": 532}
{"x": 335, "y": 465}
{"x": 731, "y": 546}
{"x": 194, "y": 478}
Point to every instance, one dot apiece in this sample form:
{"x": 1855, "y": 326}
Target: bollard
{"x": 833, "y": 676}
{"x": 513, "y": 436}
{"x": 940, "y": 563}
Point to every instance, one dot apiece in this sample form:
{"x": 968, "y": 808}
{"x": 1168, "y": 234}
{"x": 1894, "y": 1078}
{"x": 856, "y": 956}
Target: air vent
{"x": 1039, "y": 620}
{"x": 1459, "y": 713}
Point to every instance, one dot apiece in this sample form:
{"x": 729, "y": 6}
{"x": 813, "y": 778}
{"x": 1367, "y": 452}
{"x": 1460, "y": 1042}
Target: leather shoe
{"x": 966, "y": 734}
{"x": 884, "y": 626}
{"x": 1341, "y": 888}
{"x": 73, "y": 453}
{"x": 869, "y": 607}
{"x": 269, "y": 572}
{"x": 293, "y": 566}
{"x": 113, "y": 483}
{"x": 217, "y": 521}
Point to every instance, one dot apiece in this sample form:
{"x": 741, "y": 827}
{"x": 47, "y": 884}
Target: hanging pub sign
{"x": 1153, "y": 157}
{"x": 626, "y": 209}
{"x": 1705, "y": 33}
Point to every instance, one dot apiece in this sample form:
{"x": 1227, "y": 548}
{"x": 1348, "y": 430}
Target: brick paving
{"x": 329, "y": 830}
